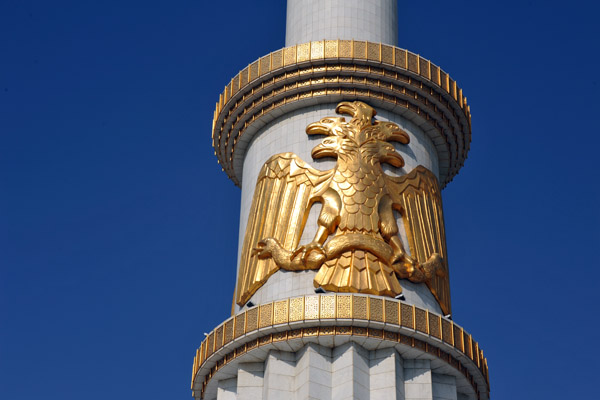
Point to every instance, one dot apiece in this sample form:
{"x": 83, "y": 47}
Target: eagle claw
{"x": 310, "y": 255}
{"x": 306, "y": 249}
{"x": 415, "y": 272}
{"x": 262, "y": 250}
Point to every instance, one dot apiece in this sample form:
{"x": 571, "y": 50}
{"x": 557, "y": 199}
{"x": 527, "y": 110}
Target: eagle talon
{"x": 307, "y": 249}
{"x": 415, "y": 272}
{"x": 301, "y": 249}
{"x": 264, "y": 249}
{"x": 311, "y": 255}
{"x": 402, "y": 257}
{"x": 405, "y": 270}
{"x": 261, "y": 250}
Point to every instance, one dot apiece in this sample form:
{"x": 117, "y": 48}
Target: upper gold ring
{"x": 330, "y": 71}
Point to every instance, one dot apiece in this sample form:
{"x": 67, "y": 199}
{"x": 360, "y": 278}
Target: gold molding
{"x": 386, "y": 318}
{"x": 396, "y": 77}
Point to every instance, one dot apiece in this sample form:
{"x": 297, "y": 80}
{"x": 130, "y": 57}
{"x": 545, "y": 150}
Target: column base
{"x": 339, "y": 347}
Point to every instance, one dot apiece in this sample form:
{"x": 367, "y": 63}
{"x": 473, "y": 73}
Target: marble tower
{"x": 288, "y": 338}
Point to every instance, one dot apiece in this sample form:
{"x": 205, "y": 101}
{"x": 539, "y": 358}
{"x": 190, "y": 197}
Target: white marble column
{"x": 372, "y": 20}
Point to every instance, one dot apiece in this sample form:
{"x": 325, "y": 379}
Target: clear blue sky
{"x": 119, "y": 230}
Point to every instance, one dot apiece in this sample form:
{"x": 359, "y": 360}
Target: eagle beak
{"x": 393, "y": 158}
{"x": 354, "y": 109}
{"x": 346, "y": 107}
{"x": 399, "y": 136}
{"x": 321, "y": 151}
{"x": 317, "y": 128}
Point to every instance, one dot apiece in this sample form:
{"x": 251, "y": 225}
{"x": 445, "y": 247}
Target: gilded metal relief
{"x": 356, "y": 248}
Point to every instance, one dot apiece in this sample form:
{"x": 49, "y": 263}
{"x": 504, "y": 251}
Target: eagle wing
{"x": 418, "y": 198}
{"x": 285, "y": 189}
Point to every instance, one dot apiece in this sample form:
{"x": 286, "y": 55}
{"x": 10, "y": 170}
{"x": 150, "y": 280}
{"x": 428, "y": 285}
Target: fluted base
{"x": 344, "y": 372}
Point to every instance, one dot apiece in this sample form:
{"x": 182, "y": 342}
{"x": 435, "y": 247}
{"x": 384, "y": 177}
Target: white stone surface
{"x": 350, "y": 374}
{"x": 372, "y": 20}
{"x": 288, "y": 134}
{"x": 227, "y": 389}
{"x": 313, "y": 373}
{"x": 419, "y": 295}
{"x": 250, "y": 381}
{"x": 443, "y": 387}
{"x": 279, "y": 375}
{"x": 387, "y": 375}
{"x": 284, "y": 284}
{"x": 417, "y": 380}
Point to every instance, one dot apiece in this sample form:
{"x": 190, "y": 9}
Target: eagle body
{"x": 360, "y": 183}
{"x": 360, "y": 186}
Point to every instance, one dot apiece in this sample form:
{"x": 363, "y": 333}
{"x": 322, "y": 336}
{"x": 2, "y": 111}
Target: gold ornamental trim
{"x": 332, "y": 70}
{"x": 357, "y": 315}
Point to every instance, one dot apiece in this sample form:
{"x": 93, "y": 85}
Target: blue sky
{"x": 119, "y": 230}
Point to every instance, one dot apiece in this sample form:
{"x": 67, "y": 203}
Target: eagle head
{"x": 390, "y": 132}
{"x": 330, "y": 126}
{"x": 338, "y": 132}
{"x": 362, "y": 113}
{"x": 330, "y": 147}
{"x": 388, "y": 154}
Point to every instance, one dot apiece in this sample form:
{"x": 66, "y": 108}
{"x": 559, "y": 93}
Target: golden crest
{"x": 364, "y": 253}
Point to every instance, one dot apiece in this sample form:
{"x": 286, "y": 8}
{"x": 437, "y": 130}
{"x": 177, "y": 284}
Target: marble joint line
{"x": 341, "y": 314}
{"x": 330, "y": 70}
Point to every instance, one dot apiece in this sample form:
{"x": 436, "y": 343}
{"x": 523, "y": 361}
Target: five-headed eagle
{"x": 356, "y": 247}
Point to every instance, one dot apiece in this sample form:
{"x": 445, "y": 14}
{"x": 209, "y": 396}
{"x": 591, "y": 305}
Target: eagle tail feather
{"x": 358, "y": 271}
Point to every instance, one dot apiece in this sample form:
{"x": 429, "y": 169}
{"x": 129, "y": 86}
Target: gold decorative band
{"x": 331, "y": 70}
{"x": 356, "y": 315}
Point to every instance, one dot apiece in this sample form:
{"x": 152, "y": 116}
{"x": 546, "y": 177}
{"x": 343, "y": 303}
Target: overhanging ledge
{"x": 332, "y": 70}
